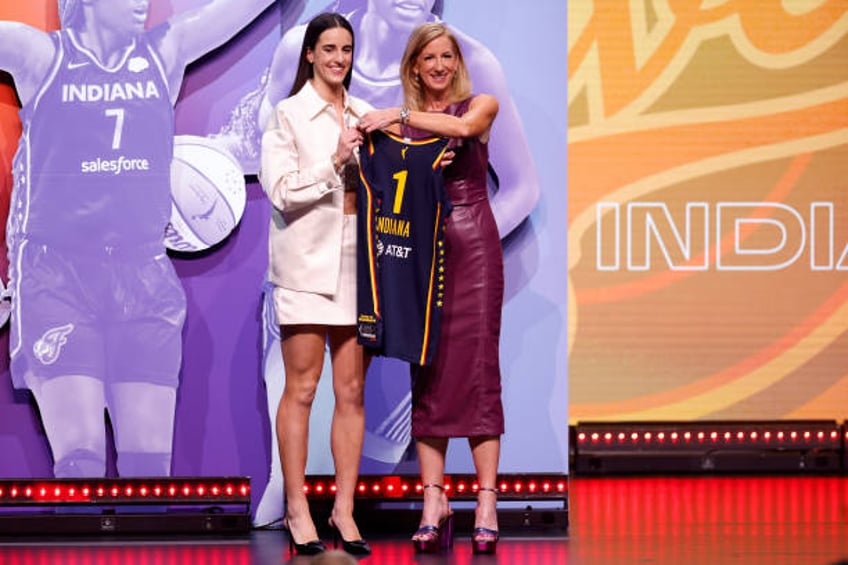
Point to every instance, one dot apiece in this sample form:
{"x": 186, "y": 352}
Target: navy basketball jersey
{"x": 401, "y": 207}
{"x": 93, "y": 163}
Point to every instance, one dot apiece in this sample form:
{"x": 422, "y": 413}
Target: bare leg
{"x": 486, "y": 453}
{"x": 303, "y": 357}
{"x": 72, "y": 412}
{"x": 431, "y": 460}
{"x": 143, "y": 421}
{"x": 348, "y": 429}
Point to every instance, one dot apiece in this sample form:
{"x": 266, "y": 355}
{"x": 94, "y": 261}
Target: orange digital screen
{"x": 708, "y": 209}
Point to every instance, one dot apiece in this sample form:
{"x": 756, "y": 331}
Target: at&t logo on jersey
{"x": 49, "y": 346}
{"x": 400, "y": 251}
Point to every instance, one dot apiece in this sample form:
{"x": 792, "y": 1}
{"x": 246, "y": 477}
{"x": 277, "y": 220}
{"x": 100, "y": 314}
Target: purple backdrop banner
{"x": 231, "y": 374}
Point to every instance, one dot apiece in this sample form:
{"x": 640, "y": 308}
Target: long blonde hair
{"x": 413, "y": 88}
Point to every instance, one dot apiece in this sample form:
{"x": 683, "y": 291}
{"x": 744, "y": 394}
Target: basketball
{"x": 208, "y": 194}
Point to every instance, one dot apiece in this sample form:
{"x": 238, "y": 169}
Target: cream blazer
{"x": 297, "y": 174}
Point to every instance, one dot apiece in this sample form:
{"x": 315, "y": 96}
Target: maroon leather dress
{"x": 459, "y": 394}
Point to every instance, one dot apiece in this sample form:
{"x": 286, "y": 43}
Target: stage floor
{"x": 797, "y": 520}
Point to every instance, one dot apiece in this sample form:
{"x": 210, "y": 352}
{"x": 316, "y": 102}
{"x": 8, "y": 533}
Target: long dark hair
{"x": 318, "y": 25}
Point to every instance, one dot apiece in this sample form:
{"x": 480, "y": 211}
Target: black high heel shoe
{"x": 353, "y": 547}
{"x": 313, "y": 547}
{"x": 430, "y": 538}
{"x": 485, "y": 540}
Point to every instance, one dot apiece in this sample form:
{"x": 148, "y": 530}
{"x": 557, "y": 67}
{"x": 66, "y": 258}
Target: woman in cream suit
{"x": 309, "y": 172}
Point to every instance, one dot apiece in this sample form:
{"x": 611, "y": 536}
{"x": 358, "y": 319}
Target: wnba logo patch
{"x": 47, "y": 348}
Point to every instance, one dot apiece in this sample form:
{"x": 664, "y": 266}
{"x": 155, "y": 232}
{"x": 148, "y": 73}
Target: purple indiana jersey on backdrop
{"x": 401, "y": 209}
{"x": 93, "y": 164}
{"x": 93, "y": 291}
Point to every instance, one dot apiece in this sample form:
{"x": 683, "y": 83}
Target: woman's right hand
{"x": 447, "y": 158}
{"x": 349, "y": 139}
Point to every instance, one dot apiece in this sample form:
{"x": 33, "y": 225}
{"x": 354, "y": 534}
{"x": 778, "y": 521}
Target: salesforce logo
{"x": 114, "y": 166}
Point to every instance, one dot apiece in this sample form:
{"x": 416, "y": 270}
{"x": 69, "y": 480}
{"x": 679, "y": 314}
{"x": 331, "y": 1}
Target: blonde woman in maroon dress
{"x": 459, "y": 394}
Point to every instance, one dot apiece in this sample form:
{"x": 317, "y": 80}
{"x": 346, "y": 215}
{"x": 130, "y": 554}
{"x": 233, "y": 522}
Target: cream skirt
{"x": 339, "y": 309}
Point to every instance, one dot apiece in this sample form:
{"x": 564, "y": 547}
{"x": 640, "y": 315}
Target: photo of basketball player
{"x": 382, "y": 28}
{"x": 97, "y": 309}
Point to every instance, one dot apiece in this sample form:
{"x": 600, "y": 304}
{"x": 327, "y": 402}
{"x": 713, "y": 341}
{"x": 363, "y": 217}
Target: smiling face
{"x": 332, "y": 57}
{"x": 436, "y": 66}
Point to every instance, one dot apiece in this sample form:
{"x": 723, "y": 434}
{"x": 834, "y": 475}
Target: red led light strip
{"x": 173, "y": 490}
{"x": 519, "y": 487}
{"x": 673, "y": 436}
{"x": 659, "y": 437}
{"x": 229, "y": 490}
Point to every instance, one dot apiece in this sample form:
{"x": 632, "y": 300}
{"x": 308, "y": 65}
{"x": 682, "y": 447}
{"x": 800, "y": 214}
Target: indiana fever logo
{"x": 48, "y": 348}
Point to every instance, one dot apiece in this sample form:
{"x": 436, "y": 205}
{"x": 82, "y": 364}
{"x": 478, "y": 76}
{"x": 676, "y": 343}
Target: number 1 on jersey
{"x": 400, "y": 177}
